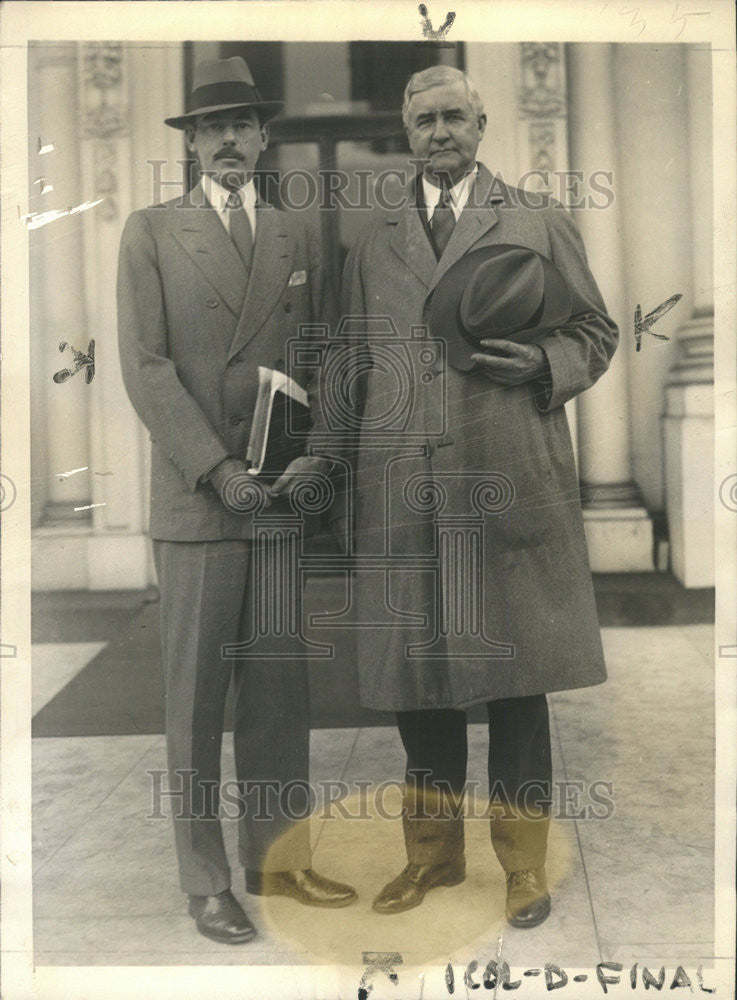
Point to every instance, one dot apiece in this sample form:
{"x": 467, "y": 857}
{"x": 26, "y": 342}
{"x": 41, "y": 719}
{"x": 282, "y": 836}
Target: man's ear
{"x": 482, "y": 124}
{"x": 264, "y": 136}
{"x": 189, "y": 137}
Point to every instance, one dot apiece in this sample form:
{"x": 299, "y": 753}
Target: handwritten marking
{"x": 34, "y": 220}
{"x": 89, "y": 506}
{"x": 634, "y": 22}
{"x": 450, "y": 978}
{"x": 45, "y": 188}
{"x": 683, "y": 17}
{"x": 81, "y": 360}
{"x": 378, "y": 961}
{"x": 72, "y": 472}
{"x": 427, "y": 28}
{"x": 643, "y": 325}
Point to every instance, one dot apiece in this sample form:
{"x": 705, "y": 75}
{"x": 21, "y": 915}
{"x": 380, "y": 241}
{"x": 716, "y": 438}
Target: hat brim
{"x": 444, "y": 319}
{"x": 267, "y": 110}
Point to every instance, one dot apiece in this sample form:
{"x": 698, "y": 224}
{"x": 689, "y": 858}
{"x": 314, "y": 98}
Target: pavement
{"x": 631, "y": 854}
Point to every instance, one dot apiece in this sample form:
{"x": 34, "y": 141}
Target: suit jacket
{"x": 503, "y": 604}
{"x": 192, "y": 332}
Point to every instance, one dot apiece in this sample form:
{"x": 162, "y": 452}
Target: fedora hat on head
{"x": 222, "y": 84}
{"x": 504, "y": 292}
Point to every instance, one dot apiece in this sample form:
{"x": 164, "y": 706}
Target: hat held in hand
{"x": 503, "y": 292}
{"x": 223, "y": 85}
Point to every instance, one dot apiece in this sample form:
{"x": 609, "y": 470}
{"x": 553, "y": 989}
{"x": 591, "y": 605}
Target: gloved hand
{"x": 511, "y": 364}
{"x": 239, "y": 492}
{"x": 304, "y": 465}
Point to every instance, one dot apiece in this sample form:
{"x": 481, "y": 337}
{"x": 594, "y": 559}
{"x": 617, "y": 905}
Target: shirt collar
{"x": 458, "y": 193}
{"x": 218, "y": 196}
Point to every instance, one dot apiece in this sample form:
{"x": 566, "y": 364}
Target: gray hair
{"x": 437, "y": 76}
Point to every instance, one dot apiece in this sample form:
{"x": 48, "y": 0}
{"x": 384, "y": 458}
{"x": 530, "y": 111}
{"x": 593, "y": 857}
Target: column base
{"x": 689, "y": 466}
{"x": 619, "y": 539}
{"x": 73, "y": 558}
{"x": 688, "y": 426}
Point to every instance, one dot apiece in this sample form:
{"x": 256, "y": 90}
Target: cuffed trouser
{"x": 208, "y": 600}
{"x": 519, "y": 768}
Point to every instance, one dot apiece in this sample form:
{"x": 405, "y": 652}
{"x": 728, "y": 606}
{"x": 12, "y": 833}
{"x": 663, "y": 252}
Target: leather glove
{"x": 239, "y": 492}
{"x": 304, "y": 465}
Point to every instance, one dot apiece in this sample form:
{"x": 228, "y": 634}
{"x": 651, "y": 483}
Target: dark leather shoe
{"x": 306, "y": 886}
{"x": 528, "y": 899}
{"x": 410, "y": 887}
{"x": 221, "y": 918}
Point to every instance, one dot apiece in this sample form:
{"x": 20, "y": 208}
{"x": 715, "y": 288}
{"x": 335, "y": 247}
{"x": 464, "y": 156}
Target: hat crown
{"x": 504, "y": 293}
{"x": 232, "y": 70}
{"x": 223, "y": 85}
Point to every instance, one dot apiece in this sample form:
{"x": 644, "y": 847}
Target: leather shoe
{"x": 528, "y": 899}
{"x": 221, "y": 918}
{"x": 306, "y": 886}
{"x": 409, "y": 888}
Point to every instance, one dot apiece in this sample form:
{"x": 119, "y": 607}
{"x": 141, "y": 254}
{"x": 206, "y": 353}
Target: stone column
{"x": 689, "y": 395}
{"x": 618, "y": 528}
{"x": 494, "y": 68}
{"x": 132, "y": 159}
{"x": 60, "y": 411}
{"x": 524, "y": 92}
{"x": 104, "y": 106}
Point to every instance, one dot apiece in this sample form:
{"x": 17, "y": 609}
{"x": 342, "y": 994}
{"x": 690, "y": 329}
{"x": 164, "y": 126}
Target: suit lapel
{"x": 199, "y": 231}
{"x": 409, "y": 240}
{"x": 476, "y": 219}
{"x": 272, "y": 258}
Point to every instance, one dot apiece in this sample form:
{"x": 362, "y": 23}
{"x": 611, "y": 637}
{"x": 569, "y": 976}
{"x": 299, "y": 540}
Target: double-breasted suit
{"x": 480, "y": 481}
{"x": 194, "y": 325}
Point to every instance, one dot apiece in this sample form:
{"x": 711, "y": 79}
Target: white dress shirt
{"x": 218, "y": 196}
{"x": 458, "y": 194}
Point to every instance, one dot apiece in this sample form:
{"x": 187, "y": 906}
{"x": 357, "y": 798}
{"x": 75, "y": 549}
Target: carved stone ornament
{"x": 103, "y": 64}
{"x": 542, "y": 94}
{"x": 104, "y": 111}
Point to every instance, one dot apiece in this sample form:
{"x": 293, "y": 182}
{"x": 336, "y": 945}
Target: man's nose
{"x": 230, "y": 135}
{"x": 440, "y": 129}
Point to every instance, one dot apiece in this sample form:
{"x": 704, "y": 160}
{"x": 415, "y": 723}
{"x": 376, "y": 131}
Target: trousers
{"x": 208, "y": 600}
{"x": 519, "y": 763}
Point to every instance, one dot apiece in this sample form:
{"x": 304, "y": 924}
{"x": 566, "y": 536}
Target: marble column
{"x": 618, "y": 528}
{"x": 60, "y": 411}
{"x": 524, "y": 93}
{"x": 112, "y": 109}
{"x": 689, "y": 395}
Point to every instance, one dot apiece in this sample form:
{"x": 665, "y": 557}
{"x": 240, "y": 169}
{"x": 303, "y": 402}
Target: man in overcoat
{"x": 473, "y": 583}
{"x": 211, "y": 286}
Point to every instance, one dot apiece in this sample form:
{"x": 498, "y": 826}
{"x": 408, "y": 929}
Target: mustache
{"x": 229, "y": 154}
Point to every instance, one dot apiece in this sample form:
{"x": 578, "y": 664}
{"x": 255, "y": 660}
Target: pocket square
{"x": 298, "y": 278}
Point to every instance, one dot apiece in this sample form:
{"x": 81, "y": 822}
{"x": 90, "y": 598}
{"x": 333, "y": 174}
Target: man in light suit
{"x": 211, "y": 286}
{"x": 512, "y": 616}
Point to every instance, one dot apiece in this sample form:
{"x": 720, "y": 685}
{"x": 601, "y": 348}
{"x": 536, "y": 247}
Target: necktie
{"x": 240, "y": 228}
{"x": 443, "y": 221}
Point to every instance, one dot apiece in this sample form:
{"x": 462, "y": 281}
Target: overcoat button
{"x": 287, "y": 307}
{"x": 212, "y": 303}
{"x": 236, "y": 421}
